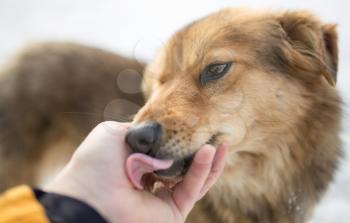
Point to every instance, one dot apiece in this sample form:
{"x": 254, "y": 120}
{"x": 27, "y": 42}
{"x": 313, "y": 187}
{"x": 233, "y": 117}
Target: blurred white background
{"x": 138, "y": 28}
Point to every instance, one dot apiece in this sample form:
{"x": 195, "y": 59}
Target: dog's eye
{"x": 214, "y": 72}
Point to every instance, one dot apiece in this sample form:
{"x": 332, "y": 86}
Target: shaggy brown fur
{"x": 276, "y": 107}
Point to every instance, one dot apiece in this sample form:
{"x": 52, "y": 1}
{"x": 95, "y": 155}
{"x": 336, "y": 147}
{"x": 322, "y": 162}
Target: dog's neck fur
{"x": 303, "y": 181}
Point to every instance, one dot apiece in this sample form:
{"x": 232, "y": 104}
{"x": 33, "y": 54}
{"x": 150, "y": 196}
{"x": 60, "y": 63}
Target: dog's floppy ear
{"x": 330, "y": 37}
{"x": 315, "y": 43}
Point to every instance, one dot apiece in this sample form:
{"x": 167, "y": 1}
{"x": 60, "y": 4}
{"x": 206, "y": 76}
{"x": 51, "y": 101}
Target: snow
{"x": 138, "y": 28}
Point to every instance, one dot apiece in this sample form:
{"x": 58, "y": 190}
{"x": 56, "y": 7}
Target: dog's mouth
{"x": 177, "y": 169}
{"x": 170, "y": 176}
{"x": 180, "y": 167}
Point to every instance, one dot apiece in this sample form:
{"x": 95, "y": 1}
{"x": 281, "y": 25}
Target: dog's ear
{"x": 330, "y": 37}
{"x": 315, "y": 43}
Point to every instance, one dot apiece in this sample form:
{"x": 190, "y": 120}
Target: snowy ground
{"x": 138, "y": 28}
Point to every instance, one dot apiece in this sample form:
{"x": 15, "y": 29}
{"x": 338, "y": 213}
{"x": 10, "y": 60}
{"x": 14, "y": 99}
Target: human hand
{"x": 96, "y": 175}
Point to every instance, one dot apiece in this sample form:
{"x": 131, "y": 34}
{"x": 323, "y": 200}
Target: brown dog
{"x": 263, "y": 82}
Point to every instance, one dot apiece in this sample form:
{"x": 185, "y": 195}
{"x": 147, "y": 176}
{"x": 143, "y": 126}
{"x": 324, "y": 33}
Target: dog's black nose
{"x": 144, "y": 137}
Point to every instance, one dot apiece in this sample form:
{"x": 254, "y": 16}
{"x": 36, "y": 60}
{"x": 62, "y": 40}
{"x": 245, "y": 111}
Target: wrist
{"x": 60, "y": 208}
{"x": 71, "y": 185}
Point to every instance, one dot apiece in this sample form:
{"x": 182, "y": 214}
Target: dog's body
{"x": 275, "y": 105}
{"x": 51, "y": 96}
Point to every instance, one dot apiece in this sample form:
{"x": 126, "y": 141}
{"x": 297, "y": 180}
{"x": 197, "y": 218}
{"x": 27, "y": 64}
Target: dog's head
{"x": 238, "y": 76}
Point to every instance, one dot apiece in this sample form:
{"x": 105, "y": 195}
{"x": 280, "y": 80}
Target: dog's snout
{"x": 145, "y": 137}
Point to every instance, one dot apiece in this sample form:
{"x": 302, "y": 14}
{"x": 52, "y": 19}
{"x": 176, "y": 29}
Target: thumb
{"x": 188, "y": 192}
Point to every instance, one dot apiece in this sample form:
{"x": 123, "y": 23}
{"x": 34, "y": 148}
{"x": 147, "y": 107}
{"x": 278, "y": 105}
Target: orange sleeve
{"x": 20, "y": 205}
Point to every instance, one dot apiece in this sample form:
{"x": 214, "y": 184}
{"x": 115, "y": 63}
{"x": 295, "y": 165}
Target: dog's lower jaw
{"x": 153, "y": 182}
{"x": 167, "y": 178}
{"x": 173, "y": 175}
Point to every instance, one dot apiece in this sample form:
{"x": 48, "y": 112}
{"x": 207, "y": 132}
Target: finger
{"x": 108, "y": 129}
{"x": 113, "y": 127}
{"x": 187, "y": 192}
{"x": 107, "y": 135}
{"x": 217, "y": 168}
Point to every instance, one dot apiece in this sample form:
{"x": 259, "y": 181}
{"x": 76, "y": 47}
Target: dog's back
{"x": 46, "y": 102}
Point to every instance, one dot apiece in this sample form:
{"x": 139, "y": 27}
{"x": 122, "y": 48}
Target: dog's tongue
{"x": 138, "y": 164}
